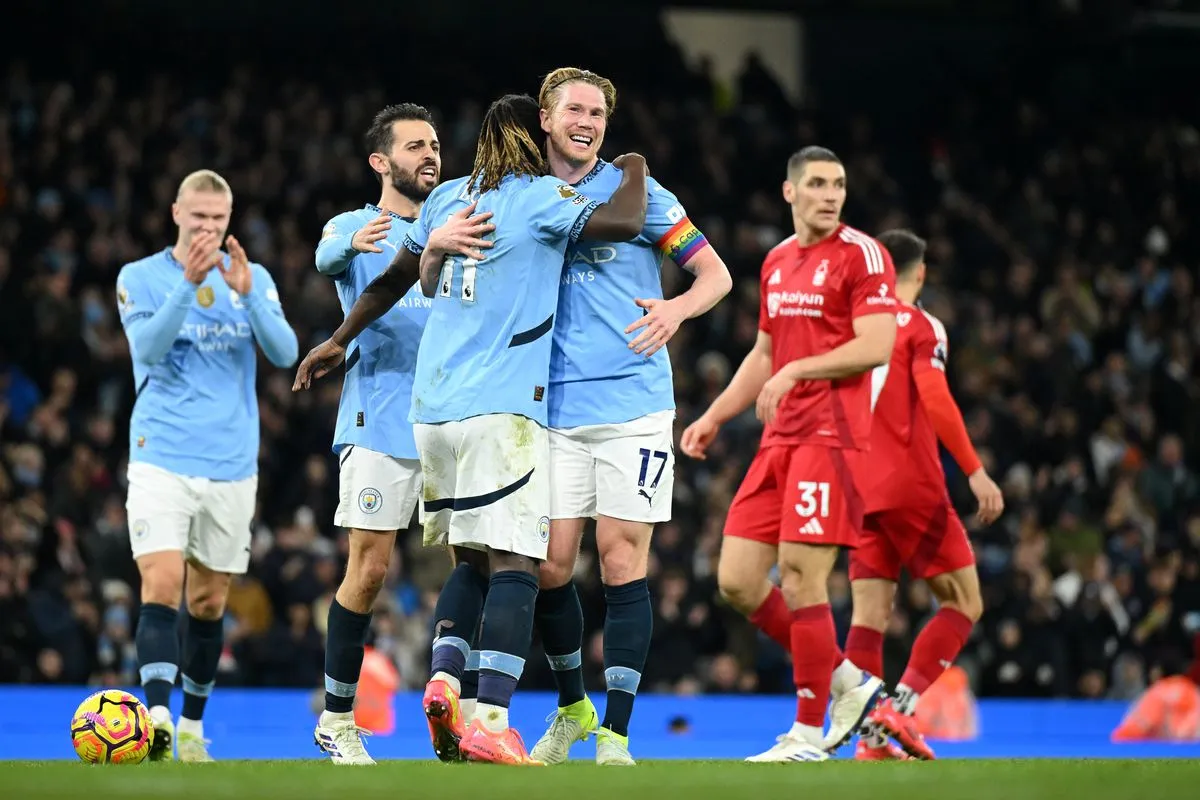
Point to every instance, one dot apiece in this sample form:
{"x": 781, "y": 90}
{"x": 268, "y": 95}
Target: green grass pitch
{"x": 662, "y": 780}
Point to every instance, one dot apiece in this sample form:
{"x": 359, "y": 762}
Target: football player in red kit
{"x": 910, "y": 521}
{"x": 827, "y": 317}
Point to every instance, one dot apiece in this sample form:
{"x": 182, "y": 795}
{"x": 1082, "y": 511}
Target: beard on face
{"x": 407, "y": 183}
{"x": 561, "y": 141}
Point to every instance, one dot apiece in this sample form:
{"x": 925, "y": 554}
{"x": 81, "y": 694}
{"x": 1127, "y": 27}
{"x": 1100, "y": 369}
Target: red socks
{"x": 814, "y": 650}
{"x": 935, "y": 649}
{"x": 864, "y": 648}
{"x": 774, "y": 619}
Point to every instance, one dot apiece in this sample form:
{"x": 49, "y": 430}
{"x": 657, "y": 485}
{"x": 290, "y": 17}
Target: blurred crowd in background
{"x": 1063, "y": 260}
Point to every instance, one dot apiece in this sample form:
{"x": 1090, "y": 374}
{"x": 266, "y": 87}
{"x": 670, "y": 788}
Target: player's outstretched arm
{"x": 151, "y": 332}
{"x": 380, "y": 295}
{"x": 622, "y": 217}
{"x": 747, "y": 383}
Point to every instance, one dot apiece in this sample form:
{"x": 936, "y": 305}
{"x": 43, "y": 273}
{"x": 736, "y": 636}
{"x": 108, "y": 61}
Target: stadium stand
{"x": 1064, "y": 261}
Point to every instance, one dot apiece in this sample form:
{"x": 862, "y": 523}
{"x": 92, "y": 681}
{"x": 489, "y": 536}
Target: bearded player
{"x": 826, "y": 319}
{"x": 380, "y": 475}
{"x": 910, "y": 521}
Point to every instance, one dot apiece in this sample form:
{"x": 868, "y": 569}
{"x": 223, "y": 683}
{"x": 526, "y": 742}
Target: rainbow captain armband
{"x": 682, "y": 242}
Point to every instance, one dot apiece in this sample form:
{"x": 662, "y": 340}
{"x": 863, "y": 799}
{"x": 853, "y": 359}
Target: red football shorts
{"x": 798, "y": 493}
{"x": 927, "y": 540}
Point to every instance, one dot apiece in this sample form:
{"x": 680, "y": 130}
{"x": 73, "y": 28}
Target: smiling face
{"x": 576, "y": 122}
{"x": 413, "y": 165}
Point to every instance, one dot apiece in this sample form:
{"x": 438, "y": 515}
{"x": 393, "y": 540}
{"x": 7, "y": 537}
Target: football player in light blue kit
{"x": 380, "y": 476}
{"x": 612, "y": 413}
{"x": 193, "y": 316}
{"x": 479, "y": 398}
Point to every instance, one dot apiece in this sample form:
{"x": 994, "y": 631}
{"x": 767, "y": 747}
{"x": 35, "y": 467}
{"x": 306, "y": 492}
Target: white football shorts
{"x": 208, "y": 521}
{"x": 376, "y": 492}
{"x": 624, "y": 470}
{"x": 487, "y": 483}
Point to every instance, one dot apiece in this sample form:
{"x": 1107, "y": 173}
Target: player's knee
{"x": 872, "y": 601}
{"x": 367, "y": 567}
{"x": 206, "y": 600}
{"x": 623, "y": 561}
{"x": 624, "y": 549}
{"x": 968, "y": 602}
{"x": 804, "y": 574}
{"x": 801, "y": 590}
{"x": 741, "y": 590}
{"x": 565, "y": 538}
{"x": 875, "y": 616}
{"x": 960, "y": 591}
{"x": 367, "y": 575}
{"x": 503, "y": 561}
{"x": 553, "y": 574}
{"x": 162, "y": 578}
{"x": 623, "y": 566}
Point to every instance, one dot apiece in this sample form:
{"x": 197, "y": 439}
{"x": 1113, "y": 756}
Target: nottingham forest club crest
{"x": 820, "y": 273}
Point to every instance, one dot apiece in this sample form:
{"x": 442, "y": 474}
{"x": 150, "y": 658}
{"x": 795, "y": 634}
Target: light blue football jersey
{"x": 488, "y": 347}
{"x": 381, "y": 361}
{"x": 594, "y": 377}
{"x": 195, "y": 365}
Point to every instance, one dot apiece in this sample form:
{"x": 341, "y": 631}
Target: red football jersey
{"x": 905, "y": 468}
{"x": 809, "y": 299}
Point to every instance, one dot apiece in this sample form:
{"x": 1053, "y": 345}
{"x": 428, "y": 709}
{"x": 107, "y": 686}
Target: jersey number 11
{"x": 467, "y": 293}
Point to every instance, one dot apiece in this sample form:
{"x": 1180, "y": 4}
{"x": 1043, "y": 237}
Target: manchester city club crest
{"x": 369, "y": 501}
{"x": 543, "y": 529}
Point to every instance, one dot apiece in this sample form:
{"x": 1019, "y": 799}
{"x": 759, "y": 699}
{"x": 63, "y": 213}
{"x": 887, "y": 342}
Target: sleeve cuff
{"x": 183, "y": 292}
{"x": 582, "y": 220}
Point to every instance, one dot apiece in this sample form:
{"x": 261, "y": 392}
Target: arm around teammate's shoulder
{"x": 380, "y": 295}
{"x": 624, "y": 215}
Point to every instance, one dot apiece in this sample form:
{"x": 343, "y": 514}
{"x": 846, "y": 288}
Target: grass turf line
{"x": 662, "y": 780}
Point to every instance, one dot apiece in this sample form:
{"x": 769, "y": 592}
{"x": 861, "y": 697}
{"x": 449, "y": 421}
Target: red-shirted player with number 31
{"x": 827, "y": 317}
{"x": 910, "y": 521}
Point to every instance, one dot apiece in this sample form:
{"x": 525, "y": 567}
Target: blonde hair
{"x": 507, "y": 144}
{"x": 204, "y": 180}
{"x": 553, "y": 83}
